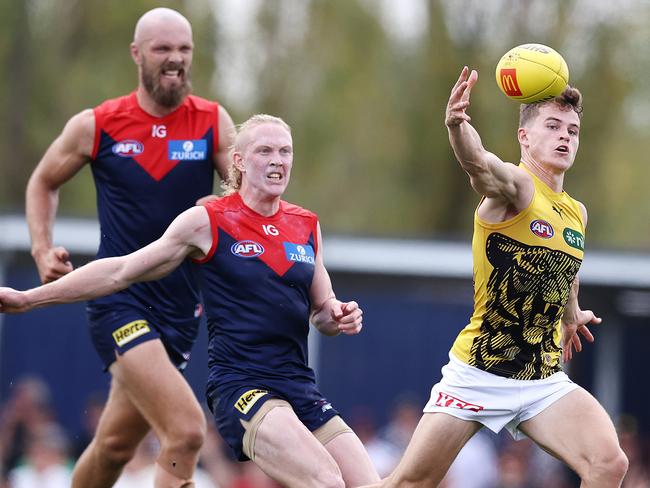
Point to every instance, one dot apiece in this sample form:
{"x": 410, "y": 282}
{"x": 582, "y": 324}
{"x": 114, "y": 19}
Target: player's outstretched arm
{"x": 188, "y": 235}
{"x": 329, "y": 315}
{"x": 62, "y": 160}
{"x": 489, "y": 175}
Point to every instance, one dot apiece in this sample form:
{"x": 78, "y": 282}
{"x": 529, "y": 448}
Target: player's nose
{"x": 176, "y": 57}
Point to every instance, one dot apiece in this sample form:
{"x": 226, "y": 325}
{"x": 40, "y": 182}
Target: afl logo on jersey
{"x": 541, "y": 228}
{"x": 246, "y": 249}
{"x": 128, "y": 148}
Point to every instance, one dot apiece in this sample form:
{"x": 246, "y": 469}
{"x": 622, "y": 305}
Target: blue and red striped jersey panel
{"x": 147, "y": 170}
{"x": 256, "y": 289}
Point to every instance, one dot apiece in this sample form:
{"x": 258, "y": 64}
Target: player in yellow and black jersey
{"x": 504, "y": 368}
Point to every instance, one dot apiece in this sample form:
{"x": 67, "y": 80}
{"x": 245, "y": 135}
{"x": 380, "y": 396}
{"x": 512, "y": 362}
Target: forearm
{"x": 95, "y": 279}
{"x": 468, "y": 148}
{"x": 40, "y": 207}
{"x": 572, "y": 307}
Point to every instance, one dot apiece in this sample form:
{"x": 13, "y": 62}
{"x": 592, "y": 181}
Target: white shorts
{"x": 496, "y": 402}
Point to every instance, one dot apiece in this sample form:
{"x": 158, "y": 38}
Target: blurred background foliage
{"x": 364, "y": 85}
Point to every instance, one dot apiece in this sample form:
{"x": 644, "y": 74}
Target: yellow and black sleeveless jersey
{"x": 523, "y": 271}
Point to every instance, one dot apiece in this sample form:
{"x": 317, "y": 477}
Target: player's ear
{"x": 522, "y": 136}
{"x": 135, "y": 53}
{"x": 238, "y": 161}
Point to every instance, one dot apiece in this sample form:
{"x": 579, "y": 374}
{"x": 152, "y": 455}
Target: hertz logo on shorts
{"x": 130, "y": 331}
{"x": 248, "y": 399}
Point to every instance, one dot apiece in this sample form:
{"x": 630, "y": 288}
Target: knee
{"x": 114, "y": 450}
{"x": 610, "y": 464}
{"x": 187, "y": 435}
{"x": 618, "y": 464}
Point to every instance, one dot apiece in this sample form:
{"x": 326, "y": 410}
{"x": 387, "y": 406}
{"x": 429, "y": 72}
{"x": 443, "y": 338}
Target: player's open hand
{"x": 348, "y": 316}
{"x": 456, "y": 112}
{"x": 573, "y": 328}
{"x": 12, "y": 301}
{"x": 53, "y": 263}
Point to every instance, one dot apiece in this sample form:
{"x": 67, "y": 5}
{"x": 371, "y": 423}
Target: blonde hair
{"x": 233, "y": 182}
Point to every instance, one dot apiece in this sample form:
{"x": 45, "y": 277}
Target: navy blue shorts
{"x": 240, "y": 401}
{"x": 120, "y": 328}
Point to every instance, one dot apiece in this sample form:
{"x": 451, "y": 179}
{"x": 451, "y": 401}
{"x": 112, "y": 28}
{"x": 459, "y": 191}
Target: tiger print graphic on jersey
{"x": 526, "y": 295}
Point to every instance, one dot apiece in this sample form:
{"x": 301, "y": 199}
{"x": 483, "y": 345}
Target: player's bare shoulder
{"x": 68, "y": 152}
{"x": 227, "y": 130}
{"x": 78, "y": 135}
{"x": 583, "y": 212}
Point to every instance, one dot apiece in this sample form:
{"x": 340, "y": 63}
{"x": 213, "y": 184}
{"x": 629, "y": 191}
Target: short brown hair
{"x": 569, "y": 99}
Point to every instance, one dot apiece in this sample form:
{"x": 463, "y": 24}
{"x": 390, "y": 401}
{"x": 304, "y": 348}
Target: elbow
{"x": 39, "y": 187}
{"x": 119, "y": 278}
{"x": 116, "y": 285}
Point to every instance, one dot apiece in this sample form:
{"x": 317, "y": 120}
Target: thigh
{"x": 350, "y": 455}
{"x": 239, "y": 409}
{"x": 436, "y": 442}
{"x": 156, "y": 387}
{"x": 237, "y": 414}
{"x": 473, "y": 395}
{"x": 575, "y": 428}
{"x": 289, "y": 453}
{"x": 121, "y": 426}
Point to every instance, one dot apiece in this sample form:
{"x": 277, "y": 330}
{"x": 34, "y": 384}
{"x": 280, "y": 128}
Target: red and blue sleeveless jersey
{"x": 256, "y": 282}
{"x": 147, "y": 170}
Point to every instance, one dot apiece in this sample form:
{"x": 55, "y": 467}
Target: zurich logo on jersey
{"x": 127, "y": 148}
{"x": 246, "y": 249}
{"x": 299, "y": 253}
{"x": 189, "y": 150}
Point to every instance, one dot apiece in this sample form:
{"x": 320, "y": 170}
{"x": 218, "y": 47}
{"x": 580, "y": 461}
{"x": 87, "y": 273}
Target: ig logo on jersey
{"x": 246, "y": 249}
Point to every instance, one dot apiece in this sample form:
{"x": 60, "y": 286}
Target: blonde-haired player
{"x": 263, "y": 283}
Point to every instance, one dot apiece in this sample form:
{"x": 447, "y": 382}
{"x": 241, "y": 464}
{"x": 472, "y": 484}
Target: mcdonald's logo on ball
{"x": 531, "y": 73}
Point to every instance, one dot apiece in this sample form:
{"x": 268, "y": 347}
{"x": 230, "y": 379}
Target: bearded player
{"x": 153, "y": 154}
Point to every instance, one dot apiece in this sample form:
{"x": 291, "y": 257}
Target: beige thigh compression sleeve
{"x": 251, "y": 426}
{"x": 330, "y": 429}
{"x": 325, "y": 433}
